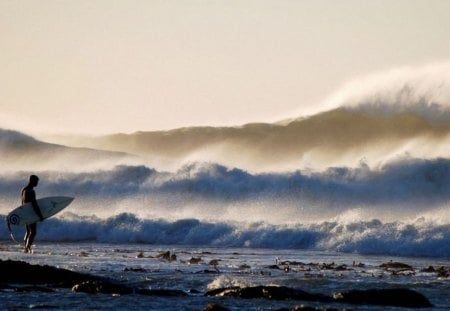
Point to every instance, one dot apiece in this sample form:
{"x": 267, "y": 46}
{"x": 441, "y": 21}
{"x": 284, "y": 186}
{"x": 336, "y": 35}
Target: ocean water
{"x": 368, "y": 178}
{"x": 137, "y": 265}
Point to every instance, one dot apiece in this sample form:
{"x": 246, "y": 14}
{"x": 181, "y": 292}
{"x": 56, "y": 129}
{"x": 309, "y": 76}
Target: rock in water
{"x": 269, "y": 292}
{"x": 19, "y": 272}
{"x": 101, "y": 287}
{"x": 398, "y": 297}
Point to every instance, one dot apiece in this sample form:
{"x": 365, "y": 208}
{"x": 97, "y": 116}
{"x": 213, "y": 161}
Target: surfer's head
{"x": 34, "y": 180}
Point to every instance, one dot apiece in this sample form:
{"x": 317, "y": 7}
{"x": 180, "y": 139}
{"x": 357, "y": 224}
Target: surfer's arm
{"x": 36, "y": 209}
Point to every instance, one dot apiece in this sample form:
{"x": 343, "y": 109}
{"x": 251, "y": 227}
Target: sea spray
{"x": 405, "y": 184}
{"x": 416, "y": 238}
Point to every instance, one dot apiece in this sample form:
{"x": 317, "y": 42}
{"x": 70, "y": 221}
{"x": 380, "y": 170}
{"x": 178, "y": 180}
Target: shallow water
{"x": 137, "y": 265}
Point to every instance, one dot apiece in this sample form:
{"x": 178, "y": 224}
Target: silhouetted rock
{"x": 443, "y": 272}
{"x": 19, "y": 272}
{"x": 214, "y": 307}
{"x": 161, "y": 292}
{"x": 398, "y": 297}
{"x": 387, "y": 297}
{"x": 396, "y": 265}
{"x": 308, "y": 308}
{"x": 269, "y": 292}
{"x": 101, "y": 287}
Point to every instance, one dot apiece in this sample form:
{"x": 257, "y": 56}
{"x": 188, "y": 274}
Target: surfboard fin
{"x": 10, "y": 231}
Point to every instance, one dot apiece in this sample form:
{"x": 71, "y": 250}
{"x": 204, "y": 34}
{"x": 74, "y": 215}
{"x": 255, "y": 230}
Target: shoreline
{"x": 168, "y": 277}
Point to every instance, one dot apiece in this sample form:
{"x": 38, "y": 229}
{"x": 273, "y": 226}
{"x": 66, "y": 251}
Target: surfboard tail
{"x": 8, "y": 222}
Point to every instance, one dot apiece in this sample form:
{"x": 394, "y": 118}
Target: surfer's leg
{"x": 26, "y": 237}
{"x": 31, "y": 233}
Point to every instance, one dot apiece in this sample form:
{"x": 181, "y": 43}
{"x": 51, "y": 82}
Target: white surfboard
{"x": 25, "y": 214}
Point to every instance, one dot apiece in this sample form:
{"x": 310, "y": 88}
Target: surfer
{"x": 28, "y": 195}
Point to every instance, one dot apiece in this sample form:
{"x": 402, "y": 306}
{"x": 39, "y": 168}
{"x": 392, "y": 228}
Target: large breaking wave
{"x": 418, "y": 238}
{"x": 370, "y": 175}
{"x": 408, "y": 181}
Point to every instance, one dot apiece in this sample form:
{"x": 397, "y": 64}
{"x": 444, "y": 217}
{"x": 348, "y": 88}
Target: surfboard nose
{"x": 69, "y": 200}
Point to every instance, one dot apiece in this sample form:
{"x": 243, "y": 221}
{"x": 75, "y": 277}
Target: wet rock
{"x": 42, "y": 306}
{"x": 400, "y": 297}
{"x": 214, "y": 307}
{"x": 441, "y": 272}
{"x": 386, "y": 297}
{"x": 167, "y": 256}
{"x": 161, "y": 292}
{"x": 358, "y": 265}
{"x": 268, "y": 292}
{"x": 101, "y": 287}
{"x": 327, "y": 266}
{"x": 308, "y": 308}
{"x": 131, "y": 269}
{"x": 396, "y": 265}
{"x": 430, "y": 269}
{"x": 214, "y": 262}
{"x": 206, "y": 271}
{"x": 19, "y": 272}
{"x": 292, "y": 263}
{"x": 195, "y": 260}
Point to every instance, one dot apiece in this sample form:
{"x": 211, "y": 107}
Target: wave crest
{"x": 418, "y": 238}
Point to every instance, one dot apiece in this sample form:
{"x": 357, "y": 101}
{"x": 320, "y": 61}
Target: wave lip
{"x": 419, "y": 238}
{"x": 403, "y": 187}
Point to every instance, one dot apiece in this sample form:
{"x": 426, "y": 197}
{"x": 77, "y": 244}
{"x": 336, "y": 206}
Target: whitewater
{"x": 367, "y": 178}
{"x": 371, "y": 174}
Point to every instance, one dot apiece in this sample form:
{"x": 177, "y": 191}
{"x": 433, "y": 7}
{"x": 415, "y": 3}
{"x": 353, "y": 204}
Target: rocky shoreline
{"x": 21, "y": 276}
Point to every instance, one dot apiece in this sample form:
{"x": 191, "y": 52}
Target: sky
{"x": 107, "y": 66}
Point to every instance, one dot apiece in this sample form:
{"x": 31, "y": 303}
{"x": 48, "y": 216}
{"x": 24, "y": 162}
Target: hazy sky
{"x": 102, "y": 66}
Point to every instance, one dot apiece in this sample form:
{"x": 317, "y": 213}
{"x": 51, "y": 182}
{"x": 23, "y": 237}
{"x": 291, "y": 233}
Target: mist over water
{"x": 370, "y": 175}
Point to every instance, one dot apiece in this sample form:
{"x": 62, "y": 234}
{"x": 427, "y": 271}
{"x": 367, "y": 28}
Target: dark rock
{"x": 101, "y": 287}
{"x": 327, "y": 266}
{"x": 195, "y": 260}
{"x": 430, "y": 269}
{"x": 19, "y": 272}
{"x": 164, "y": 255}
{"x": 42, "y": 306}
{"x": 292, "y": 263}
{"x": 396, "y": 265}
{"x": 269, "y": 292}
{"x": 244, "y": 266}
{"x": 399, "y": 297}
{"x": 214, "y": 262}
{"x": 387, "y": 297}
{"x": 308, "y": 308}
{"x": 214, "y": 307}
{"x": 140, "y": 255}
{"x": 443, "y": 272}
{"x": 134, "y": 270}
{"x": 162, "y": 292}
{"x": 206, "y": 271}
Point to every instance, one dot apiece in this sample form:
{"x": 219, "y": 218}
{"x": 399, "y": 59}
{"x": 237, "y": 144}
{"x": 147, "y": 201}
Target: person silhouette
{"x": 28, "y": 195}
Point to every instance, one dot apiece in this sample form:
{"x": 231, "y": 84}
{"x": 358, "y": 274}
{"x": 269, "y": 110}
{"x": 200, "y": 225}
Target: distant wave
{"x": 20, "y": 152}
{"x": 419, "y": 238}
{"x": 339, "y": 137}
{"x": 402, "y": 184}
{"x": 376, "y": 118}
{"x": 421, "y": 91}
